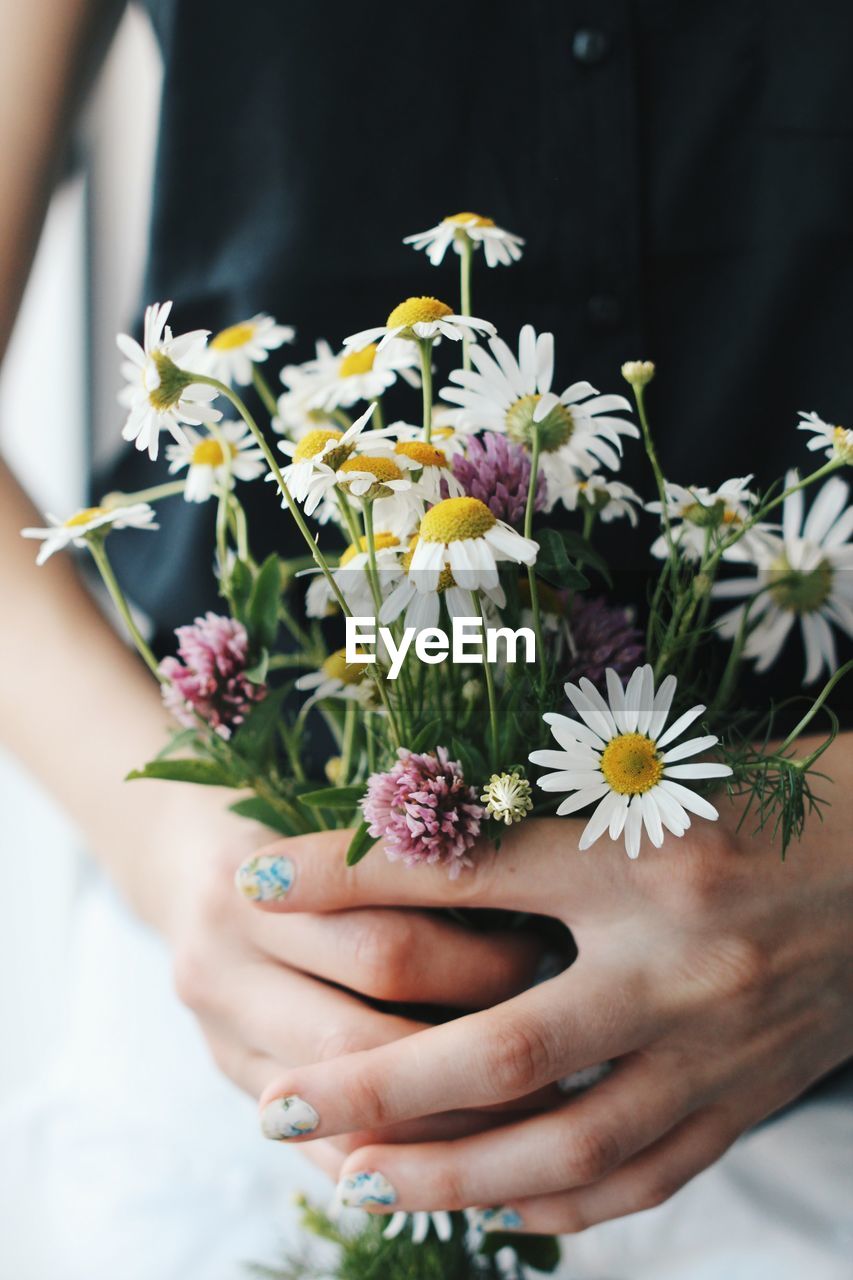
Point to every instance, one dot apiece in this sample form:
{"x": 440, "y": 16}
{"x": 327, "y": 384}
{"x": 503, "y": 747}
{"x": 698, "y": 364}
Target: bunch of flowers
{"x": 481, "y": 518}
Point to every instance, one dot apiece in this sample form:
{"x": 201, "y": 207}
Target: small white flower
{"x": 619, "y": 755}
{"x": 507, "y": 797}
{"x": 424, "y": 319}
{"x": 76, "y": 529}
{"x": 577, "y": 429}
{"x": 341, "y": 380}
{"x": 209, "y": 466}
{"x": 351, "y": 576}
{"x": 836, "y": 441}
{"x": 500, "y": 247}
{"x": 609, "y": 499}
{"x": 160, "y": 392}
{"x": 423, "y": 607}
{"x": 338, "y": 678}
{"x": 464, "y": 535}
{"x": 234, "y": 350}
{"x": 421, "y": 1223}
{"x": 804, "y": 575}
{"x": 700, "y": 517}
{"x": 435, "y": 479}
{"x": 311, "y": 474}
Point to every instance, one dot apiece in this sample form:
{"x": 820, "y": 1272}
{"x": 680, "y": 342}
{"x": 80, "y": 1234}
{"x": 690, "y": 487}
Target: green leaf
{"x": 258, "y": 673}
{"x": 540, "y": 1252}
{"x": 259, "y": 811}
{"x": 241, "y": 589}
{"x": 177, "y": 742}
{"x": 264, "y": 602}
{"x": 254, "y": 736}
{"x": 206, "y": 773}
{"x": 334, "y": 797}
{"x": 360, "y": 845}
{"x": 427, "y": 739}
{"x": 554, "y": 565}
{"x": 584, "y": 552}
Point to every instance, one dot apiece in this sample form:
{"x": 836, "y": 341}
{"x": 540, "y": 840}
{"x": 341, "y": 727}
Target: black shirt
{"x": 682, "y": 172}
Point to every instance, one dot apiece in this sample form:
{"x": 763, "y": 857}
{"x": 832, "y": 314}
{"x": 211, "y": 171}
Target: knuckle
{"x": 734, "y": 969}
{"x": 448, "y": 1189}
{"x": 704, "y": 882}
{"x": 589, "y": 1155}
{"x": 339, "y": 1042}
{"x": 382, "y": 954}
{"x": 190, "y": 976}
{"x": 653, "y": 1192}
{"x": 572, "y": 1222}
{"x": 518, "y": 1058}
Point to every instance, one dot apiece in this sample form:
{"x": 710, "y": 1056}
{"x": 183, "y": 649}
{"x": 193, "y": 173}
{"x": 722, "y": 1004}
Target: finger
{"x": 245, "y": 1067}
{"x": 404, "y": 956}
{"x": 650, "y": 1179}
{"x": 482, "y": 1059}
{"x": 575, "y": 1145}
{"x": 309, "y": 873}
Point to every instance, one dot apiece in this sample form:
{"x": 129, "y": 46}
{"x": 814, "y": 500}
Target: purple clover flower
{"x": 497, "y": 472}
{"x": 208, "y": 680}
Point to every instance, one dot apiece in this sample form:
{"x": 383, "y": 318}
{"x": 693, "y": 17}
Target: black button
{"x": 590, "y": 46}
{"x": 605, "y": 310}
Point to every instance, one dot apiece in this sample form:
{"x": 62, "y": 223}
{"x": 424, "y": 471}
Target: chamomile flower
{"x": 507, "y": 797}
{"x": 702, "y": 517}
{"x": 422, "y": 607}
{"x": 351, "y": 576}
{"x": 342, "y": 380}
{"x": 803, "y": 576}
{"x": 338, "y": 678}
{"x": 160, "y": 391}
{"x": 420, "y": 319}
{"x": 619, "y": 756}
{"x": 216, "y": 459}
{"x": 500, "y": 247}
{"x": 421, "y": 1223}
{"x": 462, "y": 533}
{"x": 311, "y": 474}
{"x": 233, "y": 351}
{"x": 609, "y": 499}
{"x": 295, "y": 411}
{"x": 435, "y": 479}
{"x": 77, "y": 529}
{"x": 577, "y": 429}
{"x": 836, "y": 441}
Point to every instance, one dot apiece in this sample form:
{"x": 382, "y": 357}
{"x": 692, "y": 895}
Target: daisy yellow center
{"x": 209, "y": 453}
{"x": 470, "y": 220}
{"x": 455, "y": 519}
{"x": 84, "y": 516}
{"x": 555, "y": 429}
{"x": 315, "y": 441}
{"x": 236, "y": 335}
{"x": 842, "y": 439}
{"x": 631, "y": 764}
{"x": 358, "y": 362}
{"x": 798, "y": 591}
{"x": 382, "y": 542}
{"x": 383, "y": 469}
{"x": 425, "y": 454}
{"x": 336, "y": 667}
{"x": 418, "y": 311}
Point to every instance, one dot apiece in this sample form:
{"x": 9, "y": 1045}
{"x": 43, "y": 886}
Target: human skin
{"x": 716, "y": 978}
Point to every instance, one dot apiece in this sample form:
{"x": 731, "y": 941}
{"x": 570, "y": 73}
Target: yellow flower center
{"x": 336, "y": 667}
{"x": 236, "y": 335}
{"x": 418, "y": 311}
{"x": 384, "y": 469}
{"x": 208, "y": 453}
{"x": 426, "y": 455}
{"x": 455, "y": 519}
{"x": 445, "y": 578}
{"x": 842, "y": 440}
{"x": 555, "y": 429}
{"x": 313, "y": 443}
{"x": 797, "y": 591}
{"x": 358, "y": 362}
{"x": 631, "y": 764}
{"x": 470, "y": 219}
{"x": 381, "y": 541}
{"x": 84, "y": 516}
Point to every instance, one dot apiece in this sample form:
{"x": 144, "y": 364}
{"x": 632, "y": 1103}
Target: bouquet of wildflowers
{"x": 439, "y": 603}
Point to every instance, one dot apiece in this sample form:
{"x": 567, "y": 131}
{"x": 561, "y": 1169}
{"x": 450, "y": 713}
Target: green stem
{"x": 154, "y": 494}
{"x": 373, "y": 568}
{"x": 588, "y": 522}
{"x": 465, "y": 259}
{"x": 425, "y": 345}
{"x": 827, "y": 469}
{"x": 378, "y": 421}
{"x": 816, "y": 706}
{"x": 651, "y": 453}
{"x": 350, "y": 722}
{"x": 241, "y": 529}
{"x": 490, "y": 690}
{"x": 265, "y": 391}
{"x": 531, "y": 569}
{"x": 99, "y": 555}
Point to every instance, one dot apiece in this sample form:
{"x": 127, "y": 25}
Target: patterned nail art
{"x": 366, "y": 1190}
{"x": 289, "y": 1117}
{"x": 265, "y": 878}
{"x": 482, "y": 1221}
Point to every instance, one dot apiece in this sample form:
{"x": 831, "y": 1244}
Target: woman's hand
{"x": 715, "y": 977}
{"x": 261, "y": 985}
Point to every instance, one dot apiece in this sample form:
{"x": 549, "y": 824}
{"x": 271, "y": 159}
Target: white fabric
{"x": 133, "y": 1157}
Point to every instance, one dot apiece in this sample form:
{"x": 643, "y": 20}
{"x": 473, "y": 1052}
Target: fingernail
{"x": 289, "y": 1117}
{"x": 502, "y": 1219}
{"x": 366, "y": 1190}
{"x": 265, "y": 878}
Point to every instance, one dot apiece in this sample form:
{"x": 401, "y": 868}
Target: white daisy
{"x": 609, "y": 499}
{"x": 160, "y": 391}
{"x": 295, "y": 412}
{"x": 805, "y": 575}
{"x": 700, "y": 516}
{"x": 338, "y": 678}
{"x": 342, "y": 380}
{"x": 423, "y": 607}
{"x": 352, "y": 577}
{"x": 77, "y": 528}
{"x": 209, "y": 467}
{"x": 836, "y": 441}
{"x": 465, "y": 535}
{"x": 435, "y": 479}
{"x": 421, "y": 1223}
{"x": 619, "y": 757}
{"x": 234, "y": 350}
{"x": 500, "y": 247}
{"x": 420, "y": 319}
{"x": 448, "y": 434}
{"x": 311, "y": 474}
{"x": 577, "y": 429}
